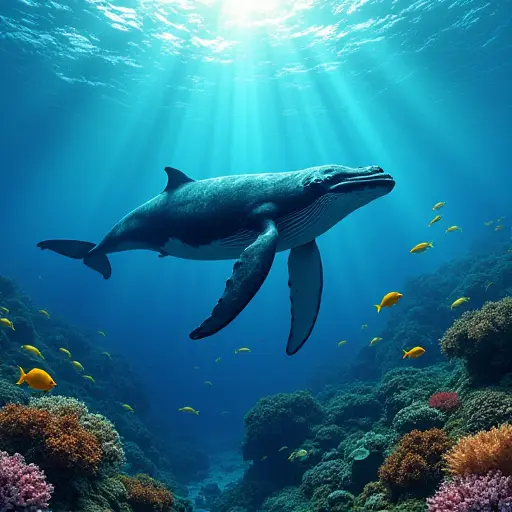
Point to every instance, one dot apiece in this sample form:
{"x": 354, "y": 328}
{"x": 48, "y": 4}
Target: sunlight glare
{"x": 248, "y": 10}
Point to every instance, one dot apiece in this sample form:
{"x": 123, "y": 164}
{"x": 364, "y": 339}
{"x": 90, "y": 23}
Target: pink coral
{"x": 22, "y": 486}
{"x": 445, "y": 401}
{"x": 474, "y": 493}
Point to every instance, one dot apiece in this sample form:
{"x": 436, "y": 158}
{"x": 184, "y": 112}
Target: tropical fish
{"x": 453, "y": 228}
{"x": 390, "y": 299}
{"x": 438, "y": 206}
{"x": 208, "y": 383}
{"x": 88, "y": 377}
{"x": 102, "y": 333}
{"x": 499, "y": 228}
{"x": 414, "y": 353}
{"x": 36, "y": 379}
{"x": 44, "y": 313}
{"x": 77, "y": 365}
{"x": 364, "y": 326}
{"x": 459, "y": 302}
{"x": 218, "y": 360}
{"x": 190, "y": 410}
{"x": 422, "y": 247}
{"x": 437, "y": 218}
{"x": 489, "y": 223}
{"x": 282, "y": 449}
{"x": 7, "y": 323}
{"x": 33, "y": 350}
{"x": 487, "y": 285}
{"x": 375, "y": 340}
{"x": 127, "y": 407}
{"x": 342, "y": 342}
{"x": 65, "y": 351}
{"x": 107, "y": 354}
{"x": 297, "y": 454}
{"x": 243, "y": 349}
{"x": 5, "y": 310}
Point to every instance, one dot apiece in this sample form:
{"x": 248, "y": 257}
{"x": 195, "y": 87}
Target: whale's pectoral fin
{"x": 79, "y": 250}
{"x": 249, "y": 273}
{"x": 306, "y": 283}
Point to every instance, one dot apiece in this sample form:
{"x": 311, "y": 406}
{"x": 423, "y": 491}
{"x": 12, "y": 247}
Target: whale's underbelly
{"x": 295, "y": 229}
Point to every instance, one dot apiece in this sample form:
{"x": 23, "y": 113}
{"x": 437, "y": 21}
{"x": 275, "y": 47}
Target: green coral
{"x": 11, "y": 394}
{"x": 328, "y": 436}
{"x": 340, "y": 501}
{"x": 481, "y": 339}
{"x": 101, "y": 495}
{"x": 418, "y": 415}
{"x": 289, "y": 499}
{"x": 334, "y": 474}
{"x": 360, "y": 408}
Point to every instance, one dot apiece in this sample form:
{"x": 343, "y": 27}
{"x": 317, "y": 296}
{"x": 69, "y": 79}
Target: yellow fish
{"x": 487, "y": 285}
{"x": 77, "y": 365}
{"x": 36, "y": 379}
{"x": 190, "y": 410}
{"x": 283, "y": 448}
{"x": 106, "y": 354}
{"x": 244, "y": 349}
{"x": 453, "y": 228}
{"x": 102, "y": 333}
{"x": 208, "y": 383}
{"x": 390, "y": 299}
{"x": 44, "y": 313}
{"x": 438, "y": 206}
{"x": 88, "y": 377}
{"x": 364, "y": 326}
{"x": 375, "y": 340}
{"x": 127, "y": 407}
{"x": 489, "y": 223}
{"x": 33, "y": 350}
{"x": 218, "y": 360}
{"x": 421, "y": 247}
{"x": 7, "y": 323}
{"x": 5, "y": 310}
{"x": 499, "y": 228}
{"x": 297, "y": 454}
{"x": 437, "y": 218}
{"x": 414, "y": 353}
{"x": 459, "y": 302}
{"x": 65, "y": 351}
{"x": 342, "y": 342}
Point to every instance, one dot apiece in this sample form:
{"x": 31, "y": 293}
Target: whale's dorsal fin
{"x": 175, "y": 178}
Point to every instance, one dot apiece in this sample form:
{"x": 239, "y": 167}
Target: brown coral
{"x": 417, "y": 460}
{"x": 483, "y": 452}
{"x": 481, "y": 339}
{"x": 146, "y": 494}
{"x": 52, "y": 442}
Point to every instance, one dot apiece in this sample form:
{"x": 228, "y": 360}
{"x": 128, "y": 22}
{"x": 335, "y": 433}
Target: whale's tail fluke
{"x": 79, "y": 250}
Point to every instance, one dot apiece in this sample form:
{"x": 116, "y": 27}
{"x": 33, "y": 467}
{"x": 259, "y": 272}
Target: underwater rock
{"x": 365, "y": 468}
{"x": 137, "y": 461}
{"x": 279, "y": 420}
{"x": 11, "y": 394}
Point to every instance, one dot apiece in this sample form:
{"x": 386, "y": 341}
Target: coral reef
{"x": 445, "y": 401}
{"x": 481, "y": 339}
{"x": 334, "y": 475}
{"x": 22, "y": 486}
{"x": 483, "y": 452}
{"x": 417, "y": 462}
{"x": 492, "y": 491}
{"x": 417, "y": 416}
{"x": 146, "y": 494}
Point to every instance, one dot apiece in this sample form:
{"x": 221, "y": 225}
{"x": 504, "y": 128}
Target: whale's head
{"x": 357, "y": 186}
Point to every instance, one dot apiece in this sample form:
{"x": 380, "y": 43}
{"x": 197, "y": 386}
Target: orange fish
{"x": 414, "y": 353}
{"x": 37, "y": 379}
{"x": 390, "y": 299}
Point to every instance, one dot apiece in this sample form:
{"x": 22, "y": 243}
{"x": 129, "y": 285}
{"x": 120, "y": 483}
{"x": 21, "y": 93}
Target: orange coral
{"x": 146, "y": 494}
{"x": 483, "y": 452}
{"x": 417, "y": 459}
{"x": 53, "y": 442}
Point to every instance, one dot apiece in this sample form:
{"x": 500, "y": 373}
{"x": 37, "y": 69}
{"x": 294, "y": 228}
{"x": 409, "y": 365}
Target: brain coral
{"x": 278, "y": 420}
{"x": 53, "y": 442}
{"x": 417, "y": 462}
{"x": 417, "y": 416}
{"x": 483, "y": 452}
{"x": 146, "y": 494}
{"x": 482, "y": 339}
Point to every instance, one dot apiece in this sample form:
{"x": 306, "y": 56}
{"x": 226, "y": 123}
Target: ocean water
{"x": 97, "y": 97}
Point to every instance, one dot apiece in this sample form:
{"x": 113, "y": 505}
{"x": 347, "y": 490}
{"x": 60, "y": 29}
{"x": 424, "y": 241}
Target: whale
{"x": 247, "y": 218}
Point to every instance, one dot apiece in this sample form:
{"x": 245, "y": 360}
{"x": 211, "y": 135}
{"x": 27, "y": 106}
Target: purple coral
{"x": 474, "y": 493}
{"x": 23, "y": 486}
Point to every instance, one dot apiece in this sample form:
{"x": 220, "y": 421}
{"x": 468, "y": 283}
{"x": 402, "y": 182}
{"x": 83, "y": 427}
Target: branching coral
{"x": 54, "y": 442}
{"x": 102, "y": 429}
{"x": 417, "y": 461}
{"x": 483, "y": 452}
{"x": 445, "y": 401}
{"x": 22, "y": 486}
{"x": 473, "y": 493}
{"x": 146, "y": 494}
{"x": 481, "y": 339}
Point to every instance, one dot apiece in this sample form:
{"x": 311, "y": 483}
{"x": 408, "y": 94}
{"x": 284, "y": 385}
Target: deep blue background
{"x": 87, "y": 126}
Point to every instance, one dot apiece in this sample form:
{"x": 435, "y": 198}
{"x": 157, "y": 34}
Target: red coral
{"x": 445, "y": 401}
{"x": 53, "y": 442}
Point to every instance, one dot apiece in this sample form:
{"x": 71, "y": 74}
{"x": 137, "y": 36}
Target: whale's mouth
{"x": 369, "y": 178}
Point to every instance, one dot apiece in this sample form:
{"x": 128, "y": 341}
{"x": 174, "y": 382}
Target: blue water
{"x": 97, "y": 97}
